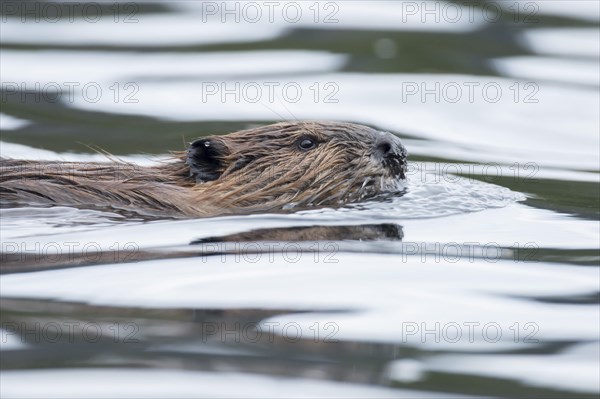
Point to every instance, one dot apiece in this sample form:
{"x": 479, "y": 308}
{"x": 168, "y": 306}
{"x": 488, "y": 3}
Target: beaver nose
{"x": 389, "y": 150}
{"x": 384, "y": 148}
{"x": 388, "y": 146}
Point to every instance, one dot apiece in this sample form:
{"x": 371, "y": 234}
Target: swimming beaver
{"x": 289, "y": 165}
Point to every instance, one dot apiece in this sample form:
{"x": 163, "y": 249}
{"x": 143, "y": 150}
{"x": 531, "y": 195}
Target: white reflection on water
{"x": 9, "y": 122}
{"x": 581, "y": 42}
{"x": 175, "y": 29}
{"x": 163, "y": 383}
{"x": 584, "y": 72}
{"x": 537, "y": 370}
{"x": 105, "y": 68}
{"x": 10, "y": 342}
{"x": 192, "y": 26}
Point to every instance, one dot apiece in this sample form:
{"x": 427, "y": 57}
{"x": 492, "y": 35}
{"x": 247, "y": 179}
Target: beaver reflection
{"x": 366, "y": 232}
{"x": 281, "y": 167}
{"x": 326, "y": 240}
{"x": 19, "y": 262}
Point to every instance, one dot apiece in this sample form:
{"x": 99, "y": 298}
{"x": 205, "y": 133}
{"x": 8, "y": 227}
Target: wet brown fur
{"x": 260, "y": 170}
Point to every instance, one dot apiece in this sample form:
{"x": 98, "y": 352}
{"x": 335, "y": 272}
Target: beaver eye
{"x": 306, "y": 143}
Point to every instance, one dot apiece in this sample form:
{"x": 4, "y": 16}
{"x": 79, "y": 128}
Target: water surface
{"x": 483, "y": 279}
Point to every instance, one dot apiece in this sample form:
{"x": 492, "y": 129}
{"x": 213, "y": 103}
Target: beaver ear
{"x": 205, "y": 157}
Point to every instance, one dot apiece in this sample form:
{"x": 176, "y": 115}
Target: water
{"x": 482, "y": 279}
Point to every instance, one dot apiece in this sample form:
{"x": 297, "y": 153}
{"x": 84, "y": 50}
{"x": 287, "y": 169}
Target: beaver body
{"x": 285, "y": 166}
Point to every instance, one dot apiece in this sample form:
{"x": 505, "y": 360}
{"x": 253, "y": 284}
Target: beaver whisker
{"x": 367, "y": 180}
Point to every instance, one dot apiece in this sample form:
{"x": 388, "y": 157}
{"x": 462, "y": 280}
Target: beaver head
{"x": 295, "y": 165}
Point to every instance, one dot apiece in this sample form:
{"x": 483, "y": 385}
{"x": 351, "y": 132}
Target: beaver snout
{"x": 389, "y": 150}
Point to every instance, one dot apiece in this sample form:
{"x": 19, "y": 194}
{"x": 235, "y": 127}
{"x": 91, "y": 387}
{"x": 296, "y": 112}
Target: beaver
{"x": 280, "y": 167}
